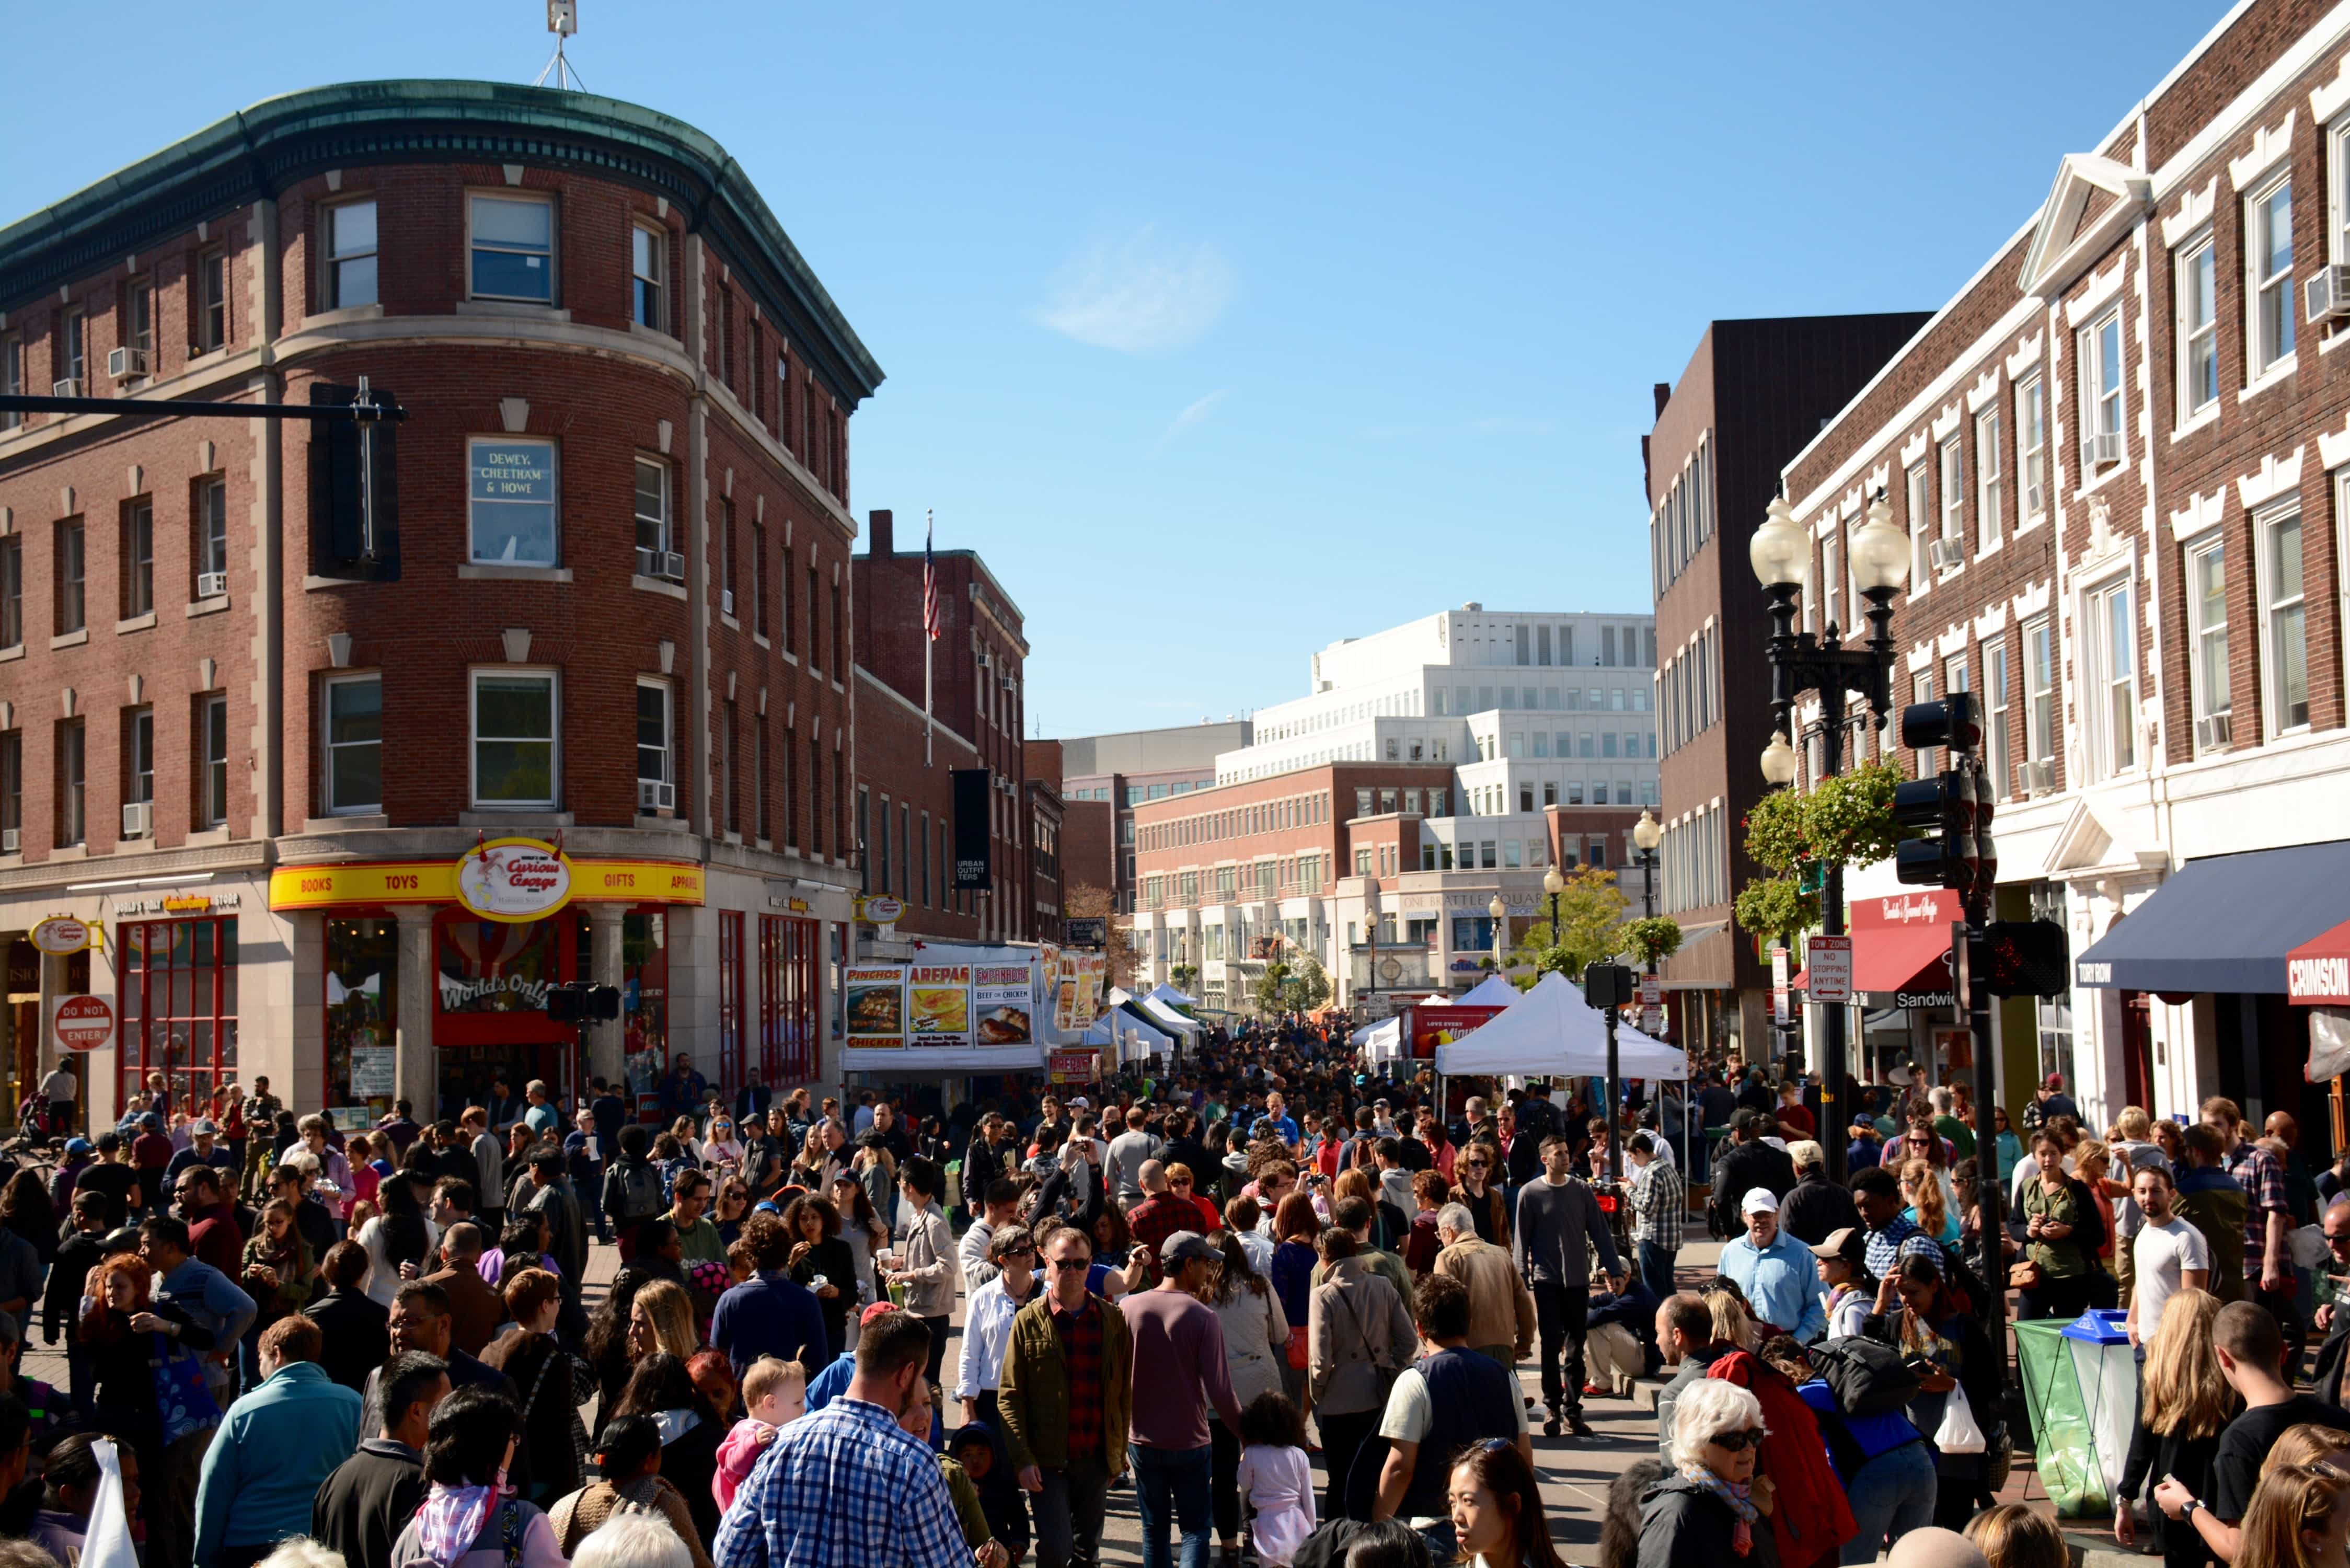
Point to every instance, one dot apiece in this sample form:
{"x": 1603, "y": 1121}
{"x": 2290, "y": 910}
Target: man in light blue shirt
{"x": 1775, "y": 1271}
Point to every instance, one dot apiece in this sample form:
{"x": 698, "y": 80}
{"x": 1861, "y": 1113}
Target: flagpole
{"x": 930, "y": 526}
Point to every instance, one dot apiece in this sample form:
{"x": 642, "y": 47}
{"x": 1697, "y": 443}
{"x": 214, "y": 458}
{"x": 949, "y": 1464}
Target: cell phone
{"x": 1921, "y": 1367}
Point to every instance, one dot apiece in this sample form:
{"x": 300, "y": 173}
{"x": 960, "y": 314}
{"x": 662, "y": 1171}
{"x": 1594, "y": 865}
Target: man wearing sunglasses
{"x": 1067, "y": 1397}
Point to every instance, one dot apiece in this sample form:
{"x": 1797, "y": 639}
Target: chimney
{"x": 1663, "y": 392}
{"x": 877, "y": 540}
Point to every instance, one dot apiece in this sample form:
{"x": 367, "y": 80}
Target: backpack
{"x": 640, "y": 1189}
{"x": 1866, "y": 1376}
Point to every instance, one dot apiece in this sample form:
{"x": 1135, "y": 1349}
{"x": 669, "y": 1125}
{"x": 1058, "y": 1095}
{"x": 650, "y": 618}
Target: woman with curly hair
{"x": 821, "y": 1261}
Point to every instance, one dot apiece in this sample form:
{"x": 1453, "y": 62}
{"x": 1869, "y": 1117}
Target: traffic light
{"x": 2027, "y": 958}
{"x": 1952, "y": 810}
{"x": 1608, "y": 985}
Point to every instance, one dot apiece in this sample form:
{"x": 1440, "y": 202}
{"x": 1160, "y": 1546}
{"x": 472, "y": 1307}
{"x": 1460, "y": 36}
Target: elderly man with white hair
{"x": 1710, "y": 1509}
{"x": 1502, "y": 1319}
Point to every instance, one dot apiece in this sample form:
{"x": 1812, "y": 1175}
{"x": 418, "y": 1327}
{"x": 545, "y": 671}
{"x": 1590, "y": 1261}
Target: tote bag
{"x": 181, "y": 1397}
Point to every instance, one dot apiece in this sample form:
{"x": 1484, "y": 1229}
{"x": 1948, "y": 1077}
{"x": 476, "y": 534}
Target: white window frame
{"x": 2000, "y": 749}
{"x": 554, "y": 452}
{"x": 1921, "y": 690}
{"x": 2096, "y": 397}
{"x": 553, "y": 246}
{"x": 656, "y": 280}
{"x": 2338, "y": 192}
{"x": 665, "y": 526}
{"x": 1953, "y": 459}
{"x": 1989, "y": 474}
{"x": 335, "y": 258}
{"x": 141, "y": 763}
{"x": 2195, "y": 337}
{"x": 1832, "y": 581}
{"x": 2112, "y": 736}
{"x": 2273, "y": 722}
{"x": 329, "y": 747}
{"x": 2031, "y": 449}
{"x": 2039, "y": 701}
{"x": 2263, "y": 359}
{"x": 212, "y": 745}
{"x": 1918, "y": 482}
{"x": 211, "y": 526}
{"x": 474, "y": 738}
{"x": 2201, "y": 632}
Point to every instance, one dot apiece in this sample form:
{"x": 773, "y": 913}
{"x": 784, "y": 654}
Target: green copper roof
{"x": 254, "y": 154}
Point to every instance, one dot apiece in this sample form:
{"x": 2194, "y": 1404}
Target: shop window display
{"x": 644, "y": 998}
{"x": 177, "y": 982}
{"x": 362, "y": 1008}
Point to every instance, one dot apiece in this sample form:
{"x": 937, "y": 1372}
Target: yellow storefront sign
{"x": 435, "y": 882}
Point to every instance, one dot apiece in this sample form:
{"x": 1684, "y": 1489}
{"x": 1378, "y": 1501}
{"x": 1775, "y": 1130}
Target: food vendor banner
{"x": 938, "y": 1005}
{"x": 875, "y": 997}
{"x": 1002, "y": 1003}
{"x": 971, "y": 1017}
{"x": 1077, "y": 990}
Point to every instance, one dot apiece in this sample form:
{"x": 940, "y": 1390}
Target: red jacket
{"x": 1810, "y": 1521}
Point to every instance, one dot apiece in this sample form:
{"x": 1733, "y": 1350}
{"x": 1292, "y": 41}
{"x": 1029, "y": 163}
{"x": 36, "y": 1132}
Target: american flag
{"x": 930, "y": 583}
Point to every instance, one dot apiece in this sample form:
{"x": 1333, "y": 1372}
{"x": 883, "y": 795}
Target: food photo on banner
{"x": 938, "y": 1004}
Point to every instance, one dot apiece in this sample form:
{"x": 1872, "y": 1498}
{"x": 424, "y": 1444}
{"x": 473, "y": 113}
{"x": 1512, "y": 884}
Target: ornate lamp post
{"x": 1500, "y": 911}
{"x": 1646, "y": 836}
{"x": 1780, "y": 552}
{"x": 1554, "y": 884}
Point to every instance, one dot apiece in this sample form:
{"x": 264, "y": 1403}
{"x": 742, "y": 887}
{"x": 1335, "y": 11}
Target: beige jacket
{"x": 1358, "y": 1336}
{"x": 1501, "y": 1308}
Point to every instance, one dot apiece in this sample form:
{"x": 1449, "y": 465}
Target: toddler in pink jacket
{"x": 774, "y": 1392}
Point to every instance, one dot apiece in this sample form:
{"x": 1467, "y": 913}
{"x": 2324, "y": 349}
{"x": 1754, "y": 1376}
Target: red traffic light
{"x": 2027, "y": 958}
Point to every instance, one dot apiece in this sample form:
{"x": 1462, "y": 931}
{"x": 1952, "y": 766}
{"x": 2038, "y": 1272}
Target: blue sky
{"x": 1227, "y": 331}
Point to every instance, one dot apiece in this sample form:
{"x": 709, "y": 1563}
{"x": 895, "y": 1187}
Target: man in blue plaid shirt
{"x": 1659, "y": 1205}
{"x": 845, "y": 1486}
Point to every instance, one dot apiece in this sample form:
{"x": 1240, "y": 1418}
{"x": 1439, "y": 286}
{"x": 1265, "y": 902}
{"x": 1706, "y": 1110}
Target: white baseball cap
{"x": 1759, "y": 1201}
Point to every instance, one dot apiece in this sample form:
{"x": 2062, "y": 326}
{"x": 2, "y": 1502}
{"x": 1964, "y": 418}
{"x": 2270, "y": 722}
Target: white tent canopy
{"x": 1491, "y": 992}
{"x": 1128, "y": 1037}
{"x": 1159, "y": 1010}
{"x": 1381, "y": 1041}
{"x": 1551, "y": 1032}
{"x": 1172, "y": 997}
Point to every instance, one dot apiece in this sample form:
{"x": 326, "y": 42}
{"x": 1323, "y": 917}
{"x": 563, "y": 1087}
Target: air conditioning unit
{"x": 654, "y": 795}
{"x": 649, "y": 562}
{"x": 2099, "y": 450}
{"x": 124, "y": 363}
{"x": 138, "y": 818}
{"x": 8, "y": 838}
{"x": 2035, "y": 778}
{"x": 212, "y": 585}
{"x": 71, "y": 386}
{"x": 726, "y": 601}
{"x": 2328, "y": 294}
{"x": 673, "y": 567}
{"x": 2035, "y": 500}
{"x": 1948, "y": 554}
{"x": 2215, "y": 731}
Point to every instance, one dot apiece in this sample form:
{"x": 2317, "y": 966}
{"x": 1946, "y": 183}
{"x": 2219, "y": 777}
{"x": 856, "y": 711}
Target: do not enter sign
{"x": 85, "y": 1022}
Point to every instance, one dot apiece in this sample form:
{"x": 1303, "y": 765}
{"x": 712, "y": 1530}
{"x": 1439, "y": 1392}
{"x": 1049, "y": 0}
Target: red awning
{"x": 2318, "y": 970}
{"x": 1913, "y": 960}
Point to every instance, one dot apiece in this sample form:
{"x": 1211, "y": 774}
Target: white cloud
{"x": 1141, "y": 292}
{"x": 1194, "y": 413}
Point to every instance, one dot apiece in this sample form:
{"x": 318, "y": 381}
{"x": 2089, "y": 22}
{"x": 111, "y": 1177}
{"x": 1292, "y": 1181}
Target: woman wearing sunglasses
{"x": 1476, "y": 1190}
{"x": 1713, "y": 1510}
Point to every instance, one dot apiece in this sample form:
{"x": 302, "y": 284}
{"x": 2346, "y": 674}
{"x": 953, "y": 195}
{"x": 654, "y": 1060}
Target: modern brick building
{"x": 1122, "y": 772}
{"x": 614, "y": 614}
{"x": 1750, "y": 396}
{"x": 2122, "y": 455}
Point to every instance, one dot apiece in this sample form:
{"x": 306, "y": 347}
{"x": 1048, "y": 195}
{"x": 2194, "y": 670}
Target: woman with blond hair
{"x": 2306, "y": 1444}
{"x": 1928, "y": 1210}
{"x": 1732, "y": 1323}
{"x": 661, "y": 1318}
{"x": 2298, "y": 1519}
{"x": 2185, "y": 1404}
{"x": 2017, "y": 1535}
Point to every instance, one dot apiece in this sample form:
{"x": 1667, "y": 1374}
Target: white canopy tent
{"x": 1159, "y": 1011}
{"x": 1172, "y": 997}
{"x": 1491, "y": 992}
{"x": 1552, "y": 1032}
{"x": 1126, "y": 1035}
{"x": 1380, "y": 1042}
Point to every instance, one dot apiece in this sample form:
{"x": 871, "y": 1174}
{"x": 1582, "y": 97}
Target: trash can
{"x": 2080, "y": 1391}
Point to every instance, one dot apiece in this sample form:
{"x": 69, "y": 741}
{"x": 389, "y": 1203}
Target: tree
{"x": 1311, "y": 983}
{"x": 1116, "y": 944}
{"x": 1271, "y": 992}
{"x": 1184, "y": 975}
{"x": 1590, "y": 928}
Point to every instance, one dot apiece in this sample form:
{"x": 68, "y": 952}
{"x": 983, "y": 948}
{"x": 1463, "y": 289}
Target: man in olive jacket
{"x": 1067, "y": 1398}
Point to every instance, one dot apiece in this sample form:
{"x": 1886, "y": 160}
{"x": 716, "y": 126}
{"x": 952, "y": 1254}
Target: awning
{"x": 1912, "y": 961}
{"x": 2318, "y": 970}
{"x": 2226, "y": 923}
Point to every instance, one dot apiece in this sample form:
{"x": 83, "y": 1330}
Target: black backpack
{"x": 1866, "y": 1376}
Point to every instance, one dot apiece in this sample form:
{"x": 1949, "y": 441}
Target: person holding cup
{"x": 921, "y": 1257}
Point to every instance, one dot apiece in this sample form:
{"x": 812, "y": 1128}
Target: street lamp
{"x": 1372, "y": 920}
{"x": 1781, "y": 553}
{"x": 1554, "y": 884}
{"x": 1646, "y": 836}
{"x": 1500, "y": 911}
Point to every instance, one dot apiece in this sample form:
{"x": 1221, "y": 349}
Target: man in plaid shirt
{"x": 2268, "y": 1221}
{"x": 1659, "y": 1205}
{"x": 846, "y": 1487}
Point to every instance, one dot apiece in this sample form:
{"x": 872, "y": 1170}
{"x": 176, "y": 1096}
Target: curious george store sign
{"x": 511, "y": 879}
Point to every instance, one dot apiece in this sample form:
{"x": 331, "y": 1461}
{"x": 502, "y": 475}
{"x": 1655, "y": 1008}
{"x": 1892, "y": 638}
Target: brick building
{"x": 1750, "y": 396}
{"x": 613, "y": 613}
{"x": 1124, "y": 771}
{"x": 2121, "y": 453}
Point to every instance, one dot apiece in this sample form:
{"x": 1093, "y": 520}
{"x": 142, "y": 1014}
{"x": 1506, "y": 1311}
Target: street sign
{"x": 1652, "y": 1020}
{"x": 1071, "y": 1066}
{"x": 1087, "y": 931}
{"x": 62, "y": 934}
{"x": 1779, "y": 1010}
{"x": 1830, "y": 963}
{"x": 85, "y": 1022}
{"x": 1652, "y": 991}
{"x": 882, "y": 912}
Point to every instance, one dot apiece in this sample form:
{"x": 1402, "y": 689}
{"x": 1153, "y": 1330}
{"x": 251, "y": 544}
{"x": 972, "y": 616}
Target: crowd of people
{"x": 1281, "y": 1301}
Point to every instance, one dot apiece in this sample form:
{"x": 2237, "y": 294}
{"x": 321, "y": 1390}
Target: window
{"x": 139, "y": 322}
{"x": 726, "y": 558}
{"x": 2039, "y": 693}
{"x": 648, "y": 264}
{"x": 653, "y": 513}
{"x": 654, "y": 770}
{"x": 73, "y": 348}
{"x": 1954, "y": 489}
{"x": 12, "y": 590}
{"x": 138, "y": 764}
{"x": 11, "y": 378}
{"x": 759, "y": 578}
{"x": 137, "y": 559}
{"x": 2032, "y": 446}
{"x": 2113, "y": 676}
{"x": 514, "y": 501}
{"x": 2198, "y": 328}
{"x": 514, "y": 248}
{"x": 177, "y": 999}
{"x": 212, "y": 300}
{"x": 2206, "y": 605}
{"x": 354, "y": 771}
{"x": 2284, "y": 635}
{"x": 1987, "y": 477}
{"x": 212, "y": 537}
{"x": 67, "y": 557}
{"x": 12, "y": 790}
{"x": 730, "y": 779}
{"x": 1921, "y": 690}
{"x": 350, "y": 254}
{"x": 72, "y": 827}
{"x": 212, "y": 738}
{"x": 2268, "y": 288}
{"x": 513, "y": 738}
{"x": 2100, "y": 345}
{"x": 1921, "y": 570}
{"x": 1995, "y": 742}
{"x": 1834, "y": 581}
{"x": 840, "y": 660}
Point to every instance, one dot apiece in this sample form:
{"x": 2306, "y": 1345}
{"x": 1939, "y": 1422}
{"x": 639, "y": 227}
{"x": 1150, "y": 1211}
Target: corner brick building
{"x": 2122, "y": 456}
{"x": 250, "y": 744}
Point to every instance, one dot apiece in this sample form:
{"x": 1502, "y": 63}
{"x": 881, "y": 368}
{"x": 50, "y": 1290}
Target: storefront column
{"x": 414, "y": 1068}
{"x": 606, "y": 967}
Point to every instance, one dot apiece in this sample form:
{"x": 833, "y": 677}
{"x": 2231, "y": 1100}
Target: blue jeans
{"x": 1891, "y": 1495}
{"x": 1656, "y": 1269}
{"x": 1171, "y": 1486}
